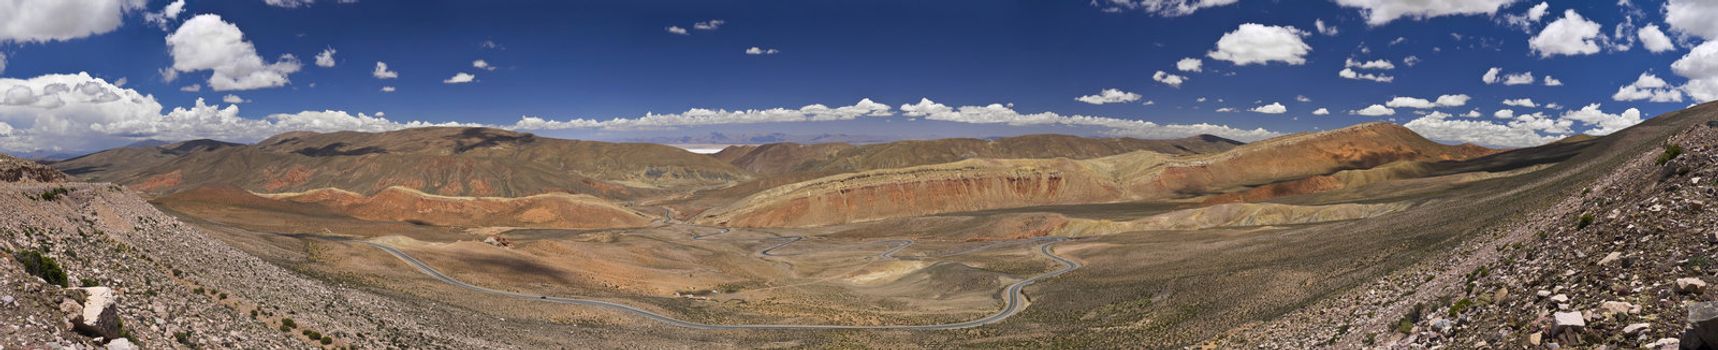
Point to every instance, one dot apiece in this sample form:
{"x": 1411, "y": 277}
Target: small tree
{"x": 41, "y": 266}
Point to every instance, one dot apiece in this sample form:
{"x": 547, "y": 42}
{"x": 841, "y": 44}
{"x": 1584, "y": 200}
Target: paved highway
{"x": 1014, "y": 300}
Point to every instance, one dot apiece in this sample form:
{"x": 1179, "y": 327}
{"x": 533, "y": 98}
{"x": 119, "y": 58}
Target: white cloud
{"x": 1538, "y": 11}
{"x": 1411, "y": 60}
{"x": 700, "y": 116}
{"x": 481, "y": 64}
{"x": 1520, "y": 133}
{"x": 1253, "y": 43}
{"x": 77, "y": 112}
{"x": 1001, "y": 114}
{"x": 27, "y": 21}
{"x": 1374, "y": 111}
{"x": 1692, "y": 17}
{"x": 206, "y": 42}
{"x": 1494, "y": 76}
{"x": 1273, "y": 108}
{"x": 761, "y": 51}
{"x": 1109, "y": 96}
{"x": 1504, "y": 114}
{"x": 1324, "y": 29}
{"x": 1648, "y": 87}
{"x": 1420, "y": 103}
{"x": 1700, "y": 66}
{"x": 166, "y": 16}
{"x": 2, "y": 62}
{"x": 460, "y": 78}
{"x": 1549, "y": 81}
{"x": 1380, "y": 12}
{"x": 289, "y": 3}
{"x": 1302, "y": 98}
{"x": 1571, "y": 35}
{"x": 382, "y": 71}
{"x": 1603, "y": 123}
{"x": 1321, "y": 111}
{"x": 326, "y": 58}
{"x": 1225, "y": 110}
{"x": 1189, "y": 64}
{"x": 388, "y": 89}
{"x": 1521, "y": 102}
{"x": 1654, "y": 40}
{"x": 1349, "y": 73}
{"x": 709, "y": 25}
{"x": 1526, "y": 20}
{"x": 1168, "y": 79}
{"x": 1381, "y": 64}
{"x": 233, "y": 99}
{"x": 1166, "y": 8}
{"x": 678, "y": 30}
{"x": 192, "y": 88}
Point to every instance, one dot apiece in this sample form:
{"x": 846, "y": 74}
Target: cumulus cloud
{"x": 1525, "y": 132}
{"x": 1495, "y": 75}
{"x": 388, "y": 89}
{"x": 1571, "y": 35}
{"x": 1700, "y": 66}
{"x": 1189, "y": 64}
{"x": 1302, "y": 98}
{"x": 1166, "y": 8}
{"x": 460, "y": 78}
{"x": 2, "y": 62}
{"x": 1374, "y": 111}
{"x": 166, "y": 16}
{"x": 1109, "y": 96}
{"x": 761, "y": 51}
{"x": 1654, "y": 40}
{"x": 700, "y": 116}
{"x": 1603, "y": 123}
{"x": 1328, "y": 30}
{"x": 1273, "y": 108}
{"x": 1420, "y": 103}
{"x": 1168, "y": 79}
{"x": 1253, "y": 43}
{"x": 1648, "y": 87}
{"x": 1504, "y": 114}
{"x": 382, "y": 71}
{"x": 1349, "y": 73}
{"x": 678, "y": 30}
{"x": 78, "y": 112}
{"x": 1692, "y": 17}
{"x": 1521, "y": 102}
{"x": 206, "y": 42}
{"x": 1321, "y": 111}
{"x": 233, "y": 99}
{"x": 481, "y": 64}
{"x": 1549, "y": 81}
{"x": 325, "y": 58}
{"x": 1381, "y": 64}
{"x": 1001, "y": 114}
{"x": 27, "y": 21}
{"x": 1380, "y": 12}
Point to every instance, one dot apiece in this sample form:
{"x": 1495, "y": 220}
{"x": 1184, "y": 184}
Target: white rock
{"x": 121, "y": 344}
{"x": 1610, "y": 258}
{"x": 1618, "y": 307}
{"x": 1567, "y": 321}
{"x": 1560, "y": 298}
{"x": 1665, "y": 344}
{"x": 1690, "y": 285}
{"x": 1631, "y": 329}
{"x": 1543, "y": 293}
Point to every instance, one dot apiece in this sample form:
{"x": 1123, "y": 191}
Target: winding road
{"x": 1014, "y": 299}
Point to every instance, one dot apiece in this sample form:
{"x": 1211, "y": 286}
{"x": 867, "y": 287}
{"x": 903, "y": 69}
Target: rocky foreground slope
{"x": 1625, "y": 260}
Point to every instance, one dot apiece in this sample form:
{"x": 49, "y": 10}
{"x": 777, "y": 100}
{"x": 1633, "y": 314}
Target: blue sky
{"x": 599, "y": 61}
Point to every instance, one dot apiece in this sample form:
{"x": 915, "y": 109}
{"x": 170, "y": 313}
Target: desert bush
{"x": 51, "y": 195}
{"x": 1671, "y": 151}
{"x": 1584, "y": 221}
{"x": 41, "y": 266}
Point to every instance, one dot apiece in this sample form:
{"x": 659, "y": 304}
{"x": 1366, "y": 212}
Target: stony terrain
{"x": 1619, "y": 262}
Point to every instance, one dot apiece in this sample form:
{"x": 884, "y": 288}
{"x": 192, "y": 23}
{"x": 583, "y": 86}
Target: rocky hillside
{"x": 21, "y": 170}
{"x": 1144, "y": 175}
{"x": 1621, "y": 255}
{"x": 445, "y": 161}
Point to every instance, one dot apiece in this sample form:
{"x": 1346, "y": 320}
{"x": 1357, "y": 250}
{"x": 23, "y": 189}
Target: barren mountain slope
{"x": 447, "y": 161}
{"x": 20, "y": 170}
{"x": 778, "y": 158}
{"x": 992, "y": 184}
{"x": 123, "y": 162}
{"x": 554, "y": 210}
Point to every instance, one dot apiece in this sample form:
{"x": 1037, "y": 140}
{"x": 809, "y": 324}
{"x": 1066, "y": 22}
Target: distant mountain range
{"x": 761, "y": 138}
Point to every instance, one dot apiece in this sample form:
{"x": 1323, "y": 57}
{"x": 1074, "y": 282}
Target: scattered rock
{"x": 121, "y": 344}
{"x": 1665, "y": 344}
{"x": 1690, "y": 285}
{"x": 1610, "y": 258}
{"x": 1560, "y": 298}
{"x": 1567, "y": 322}
{"x": 100, "y": 317}
{"x": 1631, "y": 329}
{"x": 1618, "y": 307}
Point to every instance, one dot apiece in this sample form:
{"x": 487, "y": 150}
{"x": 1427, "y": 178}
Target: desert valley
{"x": 1113, "y": 174}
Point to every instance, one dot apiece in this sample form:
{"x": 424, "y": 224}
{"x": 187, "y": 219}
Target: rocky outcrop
{"x": 96, "y": 314}
{"x": 19, "y": 170}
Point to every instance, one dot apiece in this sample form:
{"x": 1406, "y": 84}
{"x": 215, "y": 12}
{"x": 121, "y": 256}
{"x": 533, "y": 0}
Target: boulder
{"x": 121, "y": 344}
{"x": 1703, "y": 326}
{"x": 1617, "y": 307}
{"x": 1690, "y": 285}
{"x": 100, "y": 317}
{"x": 1565, "y": 325}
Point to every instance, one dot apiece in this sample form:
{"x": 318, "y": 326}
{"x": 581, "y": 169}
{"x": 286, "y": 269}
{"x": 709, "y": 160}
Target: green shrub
{"x": 41, "y": 266}
{"x": 53, "y": 194}
{"x": 1584, "y": 221}
{"x": 1459, "y": 306}
{"x": 88, "y": 282}
{"x": 1671, "y": 151}
{"x": 287, "y": 323}
{"x": 327, "y": 340}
